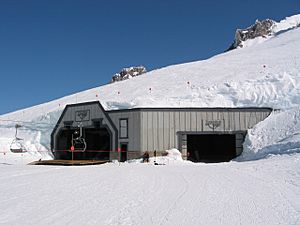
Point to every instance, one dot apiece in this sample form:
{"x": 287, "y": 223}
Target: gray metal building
{"x": 201, "y": 134}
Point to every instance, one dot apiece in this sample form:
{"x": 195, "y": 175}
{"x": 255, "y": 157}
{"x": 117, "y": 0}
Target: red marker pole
{"x": 72, "y": 151}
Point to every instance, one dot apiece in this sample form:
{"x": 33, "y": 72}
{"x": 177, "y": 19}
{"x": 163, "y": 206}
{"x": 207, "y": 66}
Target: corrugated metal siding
{"x": 166, "y": 129}
{"x": 160, "y": 134}
{"x": 172, "y": 129}
{"x": 176, "y": 127}
{"x": 159, "y": 128}
{"x": 134, "y": 128}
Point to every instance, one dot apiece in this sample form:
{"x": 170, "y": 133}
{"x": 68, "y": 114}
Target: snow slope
{"x": 256, "y": 192}
{"x": 266, "y": 75}
{"x": 278, "y": 28}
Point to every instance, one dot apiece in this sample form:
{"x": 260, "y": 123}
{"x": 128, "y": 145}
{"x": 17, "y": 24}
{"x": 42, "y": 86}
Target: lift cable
{"x": 28, "y": 125}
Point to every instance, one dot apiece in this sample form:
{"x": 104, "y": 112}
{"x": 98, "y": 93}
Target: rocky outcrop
{"x": 127, "y": 73}
{"x": 259, "y": 29}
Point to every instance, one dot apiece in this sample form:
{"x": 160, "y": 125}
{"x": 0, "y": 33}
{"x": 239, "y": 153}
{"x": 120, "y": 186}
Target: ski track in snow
{"x": 257, "y": 192}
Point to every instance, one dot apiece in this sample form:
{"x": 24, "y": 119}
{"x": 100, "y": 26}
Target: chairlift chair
{"x": 17, "y": 145}
{"x": 79, "y": 142}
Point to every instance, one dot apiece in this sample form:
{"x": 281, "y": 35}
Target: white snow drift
{"x": 256, "y": 192}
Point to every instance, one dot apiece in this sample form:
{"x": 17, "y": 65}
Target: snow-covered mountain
{"x": 265, "y": 74}
{"x": 262, "y": 30}
{"x": 127, "y": 73}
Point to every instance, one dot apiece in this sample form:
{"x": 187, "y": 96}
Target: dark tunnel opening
{"x": 211, "y": 148}
{"x": 98, "y": 144}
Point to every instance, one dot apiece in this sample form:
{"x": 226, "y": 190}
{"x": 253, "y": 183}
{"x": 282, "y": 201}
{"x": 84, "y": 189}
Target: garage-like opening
{"x": 211, "y": 147}
{"x": 98, "y": 144}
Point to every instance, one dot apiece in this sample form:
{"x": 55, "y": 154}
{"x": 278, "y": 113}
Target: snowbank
{"x": 278, "y": 134}
{"x": 172, "y": 156}
{"x": 287, "y": 23}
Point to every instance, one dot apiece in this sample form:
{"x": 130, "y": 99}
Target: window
{"x": 123, "y": 128}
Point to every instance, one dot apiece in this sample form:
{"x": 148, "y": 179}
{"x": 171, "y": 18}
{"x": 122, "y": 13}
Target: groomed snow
{"x": 256, "y": 192}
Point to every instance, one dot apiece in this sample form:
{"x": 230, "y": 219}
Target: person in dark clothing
{"x": 146, "y": 157}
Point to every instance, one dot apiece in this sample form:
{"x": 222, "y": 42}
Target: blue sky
{"x": 52, "y": 48}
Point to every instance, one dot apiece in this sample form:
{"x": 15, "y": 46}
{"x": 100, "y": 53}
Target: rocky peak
{"x": 261, "y": 28}
{"x": 127, "y": 73}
